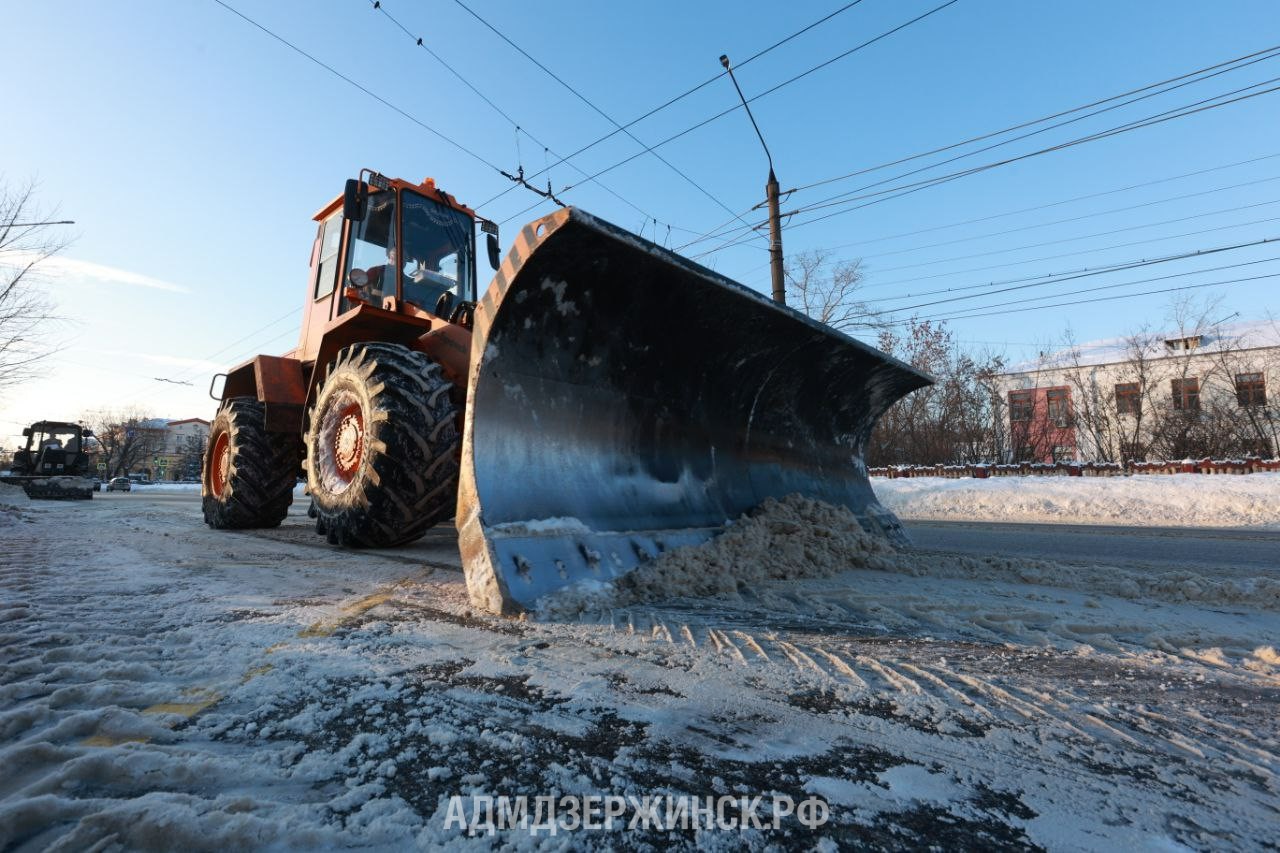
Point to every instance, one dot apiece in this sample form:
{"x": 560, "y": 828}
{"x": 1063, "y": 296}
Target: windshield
{"x": 437, "y": 251}
{"x": 373, "y": 241}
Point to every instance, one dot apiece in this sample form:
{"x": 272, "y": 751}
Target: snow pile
{"x": 1177, "y": 500}
{"x": 12, "y": 499}
{"x": 798, "y": 537}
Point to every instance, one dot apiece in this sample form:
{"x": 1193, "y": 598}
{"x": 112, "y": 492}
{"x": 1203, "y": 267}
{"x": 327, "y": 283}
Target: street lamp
{"x": 771, "y": 196}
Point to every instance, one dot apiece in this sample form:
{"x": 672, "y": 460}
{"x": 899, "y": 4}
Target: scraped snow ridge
{"x": 799, "y": 537}
{"x": 1175, "y": 500}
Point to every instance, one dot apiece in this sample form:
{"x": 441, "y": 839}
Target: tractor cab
{"x": 388, "y": 245}
{"x": 409, "y": 246}
{"x": 53, "y": 448}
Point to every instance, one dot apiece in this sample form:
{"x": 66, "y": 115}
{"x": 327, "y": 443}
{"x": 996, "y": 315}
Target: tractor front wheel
{"x": 382, "y": 448}
{"x": 249, "y": 474}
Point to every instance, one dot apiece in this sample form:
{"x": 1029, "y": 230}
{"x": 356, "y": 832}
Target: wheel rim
{"x": 220, "y": 458}
{"x": 348, "y": 442}
{"x": 340, "y": 443}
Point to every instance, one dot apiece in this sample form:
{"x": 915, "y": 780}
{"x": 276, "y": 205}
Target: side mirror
{"x": 494, "y": 260}
{"x": 353, "y": 200}
{"x": 88, "y": 433}
{"x": 26, "y": 432}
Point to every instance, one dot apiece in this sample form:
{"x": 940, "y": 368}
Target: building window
{"x": 1184, "y": 344}
{"x": 1131, "y": 451}
{"x": 1251, "y": 389}
{"x": 1059, "y": 404}
{"x": 1128, "y": 398}
{"x": 1186, "y": 394}
{"x": 1025, "y": 453}
{"x": 1021, "y": 405}
{"x": 1063, "y": 453}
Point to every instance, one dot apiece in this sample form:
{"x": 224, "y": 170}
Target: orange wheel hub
{"x": 348, "y": 442}
{"x": 220, "y": 464}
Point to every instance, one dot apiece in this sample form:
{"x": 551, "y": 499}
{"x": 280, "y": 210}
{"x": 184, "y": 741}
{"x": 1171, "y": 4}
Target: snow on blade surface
{"x": 1170, "y": 500}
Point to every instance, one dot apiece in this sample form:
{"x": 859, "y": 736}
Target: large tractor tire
{"x": 382, "y": 448}
{"x": 249, "y": 473}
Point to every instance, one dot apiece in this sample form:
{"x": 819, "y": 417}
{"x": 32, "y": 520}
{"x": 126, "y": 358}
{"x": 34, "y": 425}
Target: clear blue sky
{"x": 192, "y": 150}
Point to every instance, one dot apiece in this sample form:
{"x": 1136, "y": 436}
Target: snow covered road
{"x": 163, "y": 686}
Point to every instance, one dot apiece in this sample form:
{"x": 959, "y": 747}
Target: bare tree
{"x": 26, "y": 240}
{"x": 949, "y": 421}
{"x": 191, "y": 453}
{"x": 827, "y": 291}
{"x": 127, "y": 439}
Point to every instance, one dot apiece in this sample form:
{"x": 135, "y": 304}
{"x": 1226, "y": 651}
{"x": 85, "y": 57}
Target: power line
{"x": 378, "y": 5}
{"x": 1081, "y": 237}
{"x": 1236, "y": 64}
{"x": 891, "y": 193}
{"x": 361, "y": 87}
{"x": 1084, "y": 216}
{"x": 1157, "y": 118}
{"x": 1045, "y": 283}
{"x": 592, "y": 105}
{"x": 1086, "y": 251}
{"x": 1045, "y": 206}
{"x": 1052, "y": 278}
{"x": 899, "y": 191}
{"x": 687, "y": 93}
{"x": 1091, "y": 300}
{"x": 770, "y": 91}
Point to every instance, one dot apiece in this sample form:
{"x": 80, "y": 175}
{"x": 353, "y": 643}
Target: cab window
{"x": 330, "y": 240}
{"x": 373, "y": 243}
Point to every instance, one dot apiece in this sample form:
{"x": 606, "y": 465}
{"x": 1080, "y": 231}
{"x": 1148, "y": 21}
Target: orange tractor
{"x": 602, "y": 401}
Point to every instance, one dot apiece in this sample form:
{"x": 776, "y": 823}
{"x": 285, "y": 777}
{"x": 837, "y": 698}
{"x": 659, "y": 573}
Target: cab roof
{"x": 427, "y": 188}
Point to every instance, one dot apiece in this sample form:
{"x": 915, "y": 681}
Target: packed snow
{"x": 165, "y": 686}
{"x": 1170, "y": 500}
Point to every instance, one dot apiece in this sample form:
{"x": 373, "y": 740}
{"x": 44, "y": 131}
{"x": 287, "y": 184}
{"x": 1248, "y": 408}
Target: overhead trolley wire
{"x": 890, "y": 193}
{"x": 593, "y": 106}
{"x": 335, "y": 72}
{"x": 985, "y": 313}
{"x": 1085, "y": 251}
{"x": 1044, "y": 206}
{"x": 688, "y": 92}
{"x": 1055, "y": 281}
{"x": 379, "y": 5}
{"x": 1049, "y": 278}
{"x": 1236, "y": 63}
{"x": 1200, "y": 74}
{"x": 775, "y": 88}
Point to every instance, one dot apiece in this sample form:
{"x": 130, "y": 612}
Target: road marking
{"x": 351, "y": 613}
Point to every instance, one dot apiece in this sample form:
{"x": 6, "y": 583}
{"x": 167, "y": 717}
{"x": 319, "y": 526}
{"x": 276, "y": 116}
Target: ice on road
{"x": 164, "y": 686}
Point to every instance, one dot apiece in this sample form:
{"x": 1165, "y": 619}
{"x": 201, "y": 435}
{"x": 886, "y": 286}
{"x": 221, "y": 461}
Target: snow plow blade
{"x": 623, "y": 401}
{"x": 55, "y": 488}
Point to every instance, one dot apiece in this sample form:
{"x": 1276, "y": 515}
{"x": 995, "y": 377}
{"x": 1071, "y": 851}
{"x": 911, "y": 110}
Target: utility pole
{"x": 771, "y": 197}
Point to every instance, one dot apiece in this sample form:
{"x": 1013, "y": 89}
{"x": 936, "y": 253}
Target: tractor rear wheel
{"x": 382, "y": 447}
{"x": 249, "y": 474}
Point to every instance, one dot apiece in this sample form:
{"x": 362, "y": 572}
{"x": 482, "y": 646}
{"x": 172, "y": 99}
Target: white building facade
{"x": 1152, "y": 396}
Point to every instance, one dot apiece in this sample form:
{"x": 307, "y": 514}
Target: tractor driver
{"x": 377, "y": 281}
{"x": 425, "y": 279}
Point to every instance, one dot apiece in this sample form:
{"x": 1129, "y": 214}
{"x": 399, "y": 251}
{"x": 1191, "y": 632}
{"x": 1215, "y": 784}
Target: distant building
{"x": 178, "y": 459}
{"x": 171, "y": 446}
{"x": 1207, "y": 393}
